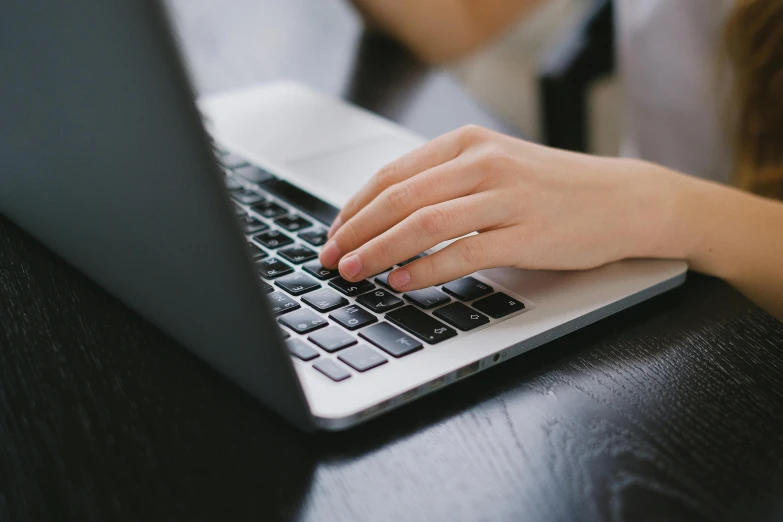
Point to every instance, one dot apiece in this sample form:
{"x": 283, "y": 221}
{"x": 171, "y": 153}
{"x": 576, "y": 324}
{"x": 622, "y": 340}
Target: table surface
{"x": 672, "y": 410}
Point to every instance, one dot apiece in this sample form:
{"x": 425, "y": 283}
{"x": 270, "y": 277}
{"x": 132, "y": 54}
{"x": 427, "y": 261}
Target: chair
{"x": 567, "y": 71}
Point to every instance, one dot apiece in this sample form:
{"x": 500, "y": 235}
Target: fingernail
{"x": 350, "y": 266}
{"x": 399, "y": 278}
{"x": 337, "y": 223}
{"x": 330, "y": 255}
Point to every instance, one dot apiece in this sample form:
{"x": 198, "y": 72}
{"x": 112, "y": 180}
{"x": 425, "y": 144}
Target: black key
{"x": 383, "y": 280}
{"x": 332, "y": 370}
{"x": 298, "y": 254}
{"x": 498, "y": 305}
{"x": 304, "y": 201}
{"x": 353, "y": 317}
{"x": 232, "y": 161}
{"x": 267, "y": 288}
{"x": 459, "y": 315}
{"x": 380, "y": 301}
{"x": 269, "y": 210}
{"x": 273, "y": 239}
{"x": 468, "y": 288}
{"x": 325, "y": 300}
{"x": 256, "y": 252}
{"x": 391, "y": 340}
{"x": 314, "y": 237}
{"x": 351, "y": 289}
{"x": 411, "y": 260}
{"x": 303, "y": 321}
{"x": 293, "y": 223}
{"x": 246, "y": 197}
{"x": 297, "y": 283}
{"x": 362, "y": 358}
{"x": 333, "y": 339}
{"x": 285, "y": 334}
{"x": 421, "y": 325}
{"x": 253, "y": 174}
{"x": 427, "y": 298}
{"x": 301, "y": 349}
{"x": 282, "y": 304}
{"x": 271, "y": 268}
{"x": 251, "y": 225}
{"x": 260, "y": 255}
{"x": 232, "y": 183}
{"x": 318, "y": 270}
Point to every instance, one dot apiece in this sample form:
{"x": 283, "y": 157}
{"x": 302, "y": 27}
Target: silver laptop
{"x": 207, "y": 220}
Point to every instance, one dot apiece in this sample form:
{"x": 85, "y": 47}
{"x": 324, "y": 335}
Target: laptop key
{"x": 383, "y": 280}
{"x": 325, "y": 300}
{"x": 467, "y": 288}
{"x": 268, "y": 209}
{"x": 423, "y": 326}
{"x": 298, "y": 254}
{"x": 498, "y": 305}
{"x": 273, "y": 239}
{"x": 267, "y": 288}
{"x": 232, "y": 183}
{"x": 256, "y": 252}
{"x": 332, "y": 339}
{"x": 301, "y": 349}
{"x": 332, "y": 370}
{"x": 427, "y": 298}
{"x": 271, "y": 268}
{"x": 285, "y": 334}
{"x": 391, "y": 340}
{"x": 254, "y": 174}
{"x": 351, "y": 289}
{"x": 461, "y": 316}
{"x": 232, "y": 161}
{"x": 380, "y": 301}
{"x": 353, "y": 317}
{"x": 293, "y": 223}
{"x": 303, "y": 321}
{"x": 414, "y": 258}
{"x": 297, "y": 283}
{"x": 282, "y": 304}
{"x": 246, "y": 197}
{"x": 251, "y": 225}
{"x": 317, "y": 269}
{"x": 362, "y": 358}
{"x": 314, "y": 237}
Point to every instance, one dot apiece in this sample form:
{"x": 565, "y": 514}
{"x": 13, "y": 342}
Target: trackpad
{"x": 335, "y": 176}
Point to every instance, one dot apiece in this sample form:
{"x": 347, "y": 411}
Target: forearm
{"x": 733, "y": 235}
{"x": 443, "y": 30}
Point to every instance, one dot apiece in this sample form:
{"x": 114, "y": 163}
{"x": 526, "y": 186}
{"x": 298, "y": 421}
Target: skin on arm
{"x": 443, "y": 30}
{"x": 539, "y": 208}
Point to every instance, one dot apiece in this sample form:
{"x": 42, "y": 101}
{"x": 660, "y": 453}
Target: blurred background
{"x": 504, "y": 75}
{"x": 241, "y": 42}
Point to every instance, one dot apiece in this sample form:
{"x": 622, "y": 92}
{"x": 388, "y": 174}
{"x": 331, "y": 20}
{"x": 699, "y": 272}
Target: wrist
{"x": 660, "y": 200}
{"x": 707, "y": 223}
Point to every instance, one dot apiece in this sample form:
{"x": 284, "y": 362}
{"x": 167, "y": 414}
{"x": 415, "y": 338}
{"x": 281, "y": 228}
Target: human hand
{"x": 533, "y": 207}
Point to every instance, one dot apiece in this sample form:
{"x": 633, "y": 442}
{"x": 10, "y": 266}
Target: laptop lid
{"x": 103, "y": 158}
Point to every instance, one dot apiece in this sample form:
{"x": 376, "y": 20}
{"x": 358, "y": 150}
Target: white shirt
{"x": 669, "y": 53}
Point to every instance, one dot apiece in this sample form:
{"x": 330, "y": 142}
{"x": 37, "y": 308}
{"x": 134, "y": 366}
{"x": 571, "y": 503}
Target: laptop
{"x": 207, "y": 217}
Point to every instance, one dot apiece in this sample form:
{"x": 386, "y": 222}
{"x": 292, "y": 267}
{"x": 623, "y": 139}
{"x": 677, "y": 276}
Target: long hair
{"x": 754, "y": 45}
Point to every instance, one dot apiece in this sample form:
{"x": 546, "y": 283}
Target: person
{"x": 508, "y": 202}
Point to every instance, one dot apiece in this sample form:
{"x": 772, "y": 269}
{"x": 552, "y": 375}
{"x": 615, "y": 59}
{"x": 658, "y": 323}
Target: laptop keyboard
{"x": 342, "y": 328}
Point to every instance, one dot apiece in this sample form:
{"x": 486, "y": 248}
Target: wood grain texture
{"x": 672, "y": 410}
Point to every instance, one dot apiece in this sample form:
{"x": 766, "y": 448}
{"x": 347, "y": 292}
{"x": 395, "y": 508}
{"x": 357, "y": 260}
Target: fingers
{"x": 423, "y": 229}
{"x": 438, "y": 151}
{"x": 442, "y": 183}
{"x": 463, "y": 257}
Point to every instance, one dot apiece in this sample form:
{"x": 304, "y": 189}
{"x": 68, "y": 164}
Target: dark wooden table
{"x": 670, "y": 411}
